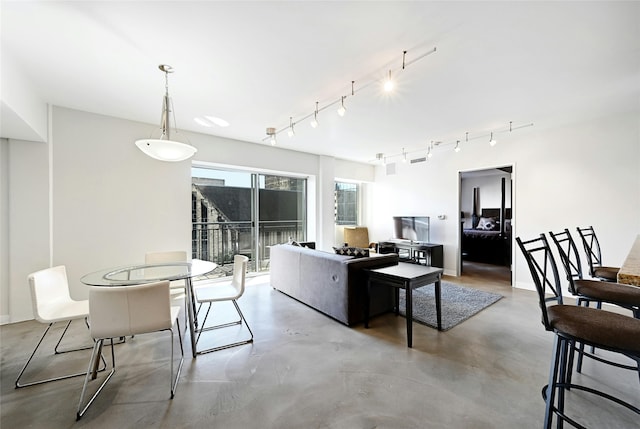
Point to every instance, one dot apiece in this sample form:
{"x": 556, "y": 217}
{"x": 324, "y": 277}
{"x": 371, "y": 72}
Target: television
{"x": 413, "y": 228}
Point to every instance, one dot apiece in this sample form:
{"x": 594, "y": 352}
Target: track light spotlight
{"x": 388, "y": 84}
{"x": 271, "y": 132}
{"x": 341, "y": 109}
{"x": 457, "y": 148}
{"x": 404, "y": 156}
{"x": 290, "y": 131}
{"x": 314, "y": 121}
{"x": 492, "y": 142}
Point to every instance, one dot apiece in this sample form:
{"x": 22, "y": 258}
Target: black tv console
{"x": 412, "y": 251}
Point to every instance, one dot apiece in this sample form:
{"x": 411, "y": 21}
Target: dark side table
{"x": 408, "y": 277}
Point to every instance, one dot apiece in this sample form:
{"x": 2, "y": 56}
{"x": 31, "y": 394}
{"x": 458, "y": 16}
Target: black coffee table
{"x": 408, "y": 277}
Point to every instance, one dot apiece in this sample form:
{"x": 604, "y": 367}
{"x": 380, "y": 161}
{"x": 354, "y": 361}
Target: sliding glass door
{"x": 237, "y": 212}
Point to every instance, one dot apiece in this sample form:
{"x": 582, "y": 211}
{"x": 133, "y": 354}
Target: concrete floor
{"x": 305, "y": 370}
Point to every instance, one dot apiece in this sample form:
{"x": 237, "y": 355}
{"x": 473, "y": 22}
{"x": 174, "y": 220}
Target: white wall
{"x": 23, "y": 113}
{"x": 28, "y": 223}
{"x": 104, "y": 203}
{"x": 584, "y": 173}
{"x": 4, "y": 228}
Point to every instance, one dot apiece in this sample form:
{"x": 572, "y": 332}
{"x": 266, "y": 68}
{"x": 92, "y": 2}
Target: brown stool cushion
{"x": 614, "y": 293}
{"x": 609, "y": 273}
{"x": 597, "y": 327}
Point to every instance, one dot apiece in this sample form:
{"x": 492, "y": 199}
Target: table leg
{"x": 409, "y": 312}
{"x": 396, "y": 298}
{"x": 189, "y": 309}
{"x": 438, "y": 306}
{"x": 367, "y": 296}
{"x": 96, "y": 361}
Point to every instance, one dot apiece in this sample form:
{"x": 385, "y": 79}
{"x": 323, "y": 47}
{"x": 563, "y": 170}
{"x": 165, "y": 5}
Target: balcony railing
{"x": 219, "y": 241}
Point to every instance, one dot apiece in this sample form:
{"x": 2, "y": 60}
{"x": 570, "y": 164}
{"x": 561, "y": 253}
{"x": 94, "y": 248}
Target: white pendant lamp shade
{"x": 165, "y": 149}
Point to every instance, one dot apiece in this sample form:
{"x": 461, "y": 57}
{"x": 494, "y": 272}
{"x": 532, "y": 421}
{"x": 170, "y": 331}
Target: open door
{"x": 486, "y": 216}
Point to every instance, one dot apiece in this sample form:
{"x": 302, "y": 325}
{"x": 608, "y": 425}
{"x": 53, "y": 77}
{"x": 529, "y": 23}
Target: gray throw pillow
{"x": 356, "y": 252}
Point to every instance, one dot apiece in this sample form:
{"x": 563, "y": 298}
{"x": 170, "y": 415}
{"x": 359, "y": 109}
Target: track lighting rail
{"x": 457, "y": 144}
{"x": 341, "y": 99}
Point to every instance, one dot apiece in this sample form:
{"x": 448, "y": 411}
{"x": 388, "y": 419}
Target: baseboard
{"x": 451, "y": 273}
{"x": 524, "y": 285}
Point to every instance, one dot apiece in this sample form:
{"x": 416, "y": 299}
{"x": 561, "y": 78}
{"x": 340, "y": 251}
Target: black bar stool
{"x": 574, "y": 324}
{"x": 587, "y": 291}
{"x": 594, "y": 256}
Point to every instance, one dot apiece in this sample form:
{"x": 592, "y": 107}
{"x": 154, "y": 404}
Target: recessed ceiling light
{"x": 202, "y": 122}
{"x": 218, "y": 121}
{"x": 210, "y": 121}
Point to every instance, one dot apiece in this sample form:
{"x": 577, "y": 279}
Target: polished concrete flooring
{"x": 305, "y": 370}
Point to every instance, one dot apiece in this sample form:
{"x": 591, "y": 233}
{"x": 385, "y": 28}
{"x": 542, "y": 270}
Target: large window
{"x": 346, "y": 203}
{"x": 237, "y": 212}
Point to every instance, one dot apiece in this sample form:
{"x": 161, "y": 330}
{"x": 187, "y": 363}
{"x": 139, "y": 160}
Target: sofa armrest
{"x": 381, "y": 299}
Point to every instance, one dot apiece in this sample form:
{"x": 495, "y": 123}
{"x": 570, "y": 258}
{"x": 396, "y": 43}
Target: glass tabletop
{"x": 147, "y": 273}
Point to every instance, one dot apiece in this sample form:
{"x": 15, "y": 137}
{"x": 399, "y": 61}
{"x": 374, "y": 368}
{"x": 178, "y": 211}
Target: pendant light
{"x": 165, "y": 149}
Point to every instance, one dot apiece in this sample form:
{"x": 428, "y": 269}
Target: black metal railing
{"x": 219, "y": 241}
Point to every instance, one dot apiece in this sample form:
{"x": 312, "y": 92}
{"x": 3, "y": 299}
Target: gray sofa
{"x": 330, "y": 283}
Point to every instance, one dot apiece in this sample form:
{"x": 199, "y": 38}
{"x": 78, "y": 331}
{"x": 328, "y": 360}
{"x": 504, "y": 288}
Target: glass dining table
{"x": 147, "y": 273}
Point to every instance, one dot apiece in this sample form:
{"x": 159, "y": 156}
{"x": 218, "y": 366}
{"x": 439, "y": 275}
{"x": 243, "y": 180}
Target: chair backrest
{"x": 356, "y": 236}
{"x": 544, "y": 272}
{"x": 568, "y": 256}
{"x": 169, "y": 256}
{"x": 116, "y": 311}
{"x": 240, "y": 263}
{"x": 49, "y": 289}
{"x": 591, "y": 248}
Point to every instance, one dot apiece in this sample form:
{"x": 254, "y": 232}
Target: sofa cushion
{"x": 356, "y": 252}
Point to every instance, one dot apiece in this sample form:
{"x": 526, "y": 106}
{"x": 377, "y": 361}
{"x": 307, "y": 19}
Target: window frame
{"x": 353, "y": 220}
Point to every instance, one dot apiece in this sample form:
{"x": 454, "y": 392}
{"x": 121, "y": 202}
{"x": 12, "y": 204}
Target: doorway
{"x": 486, "y": 217}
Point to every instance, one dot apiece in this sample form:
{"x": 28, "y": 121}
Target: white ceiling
{"x": 255, "y": 64}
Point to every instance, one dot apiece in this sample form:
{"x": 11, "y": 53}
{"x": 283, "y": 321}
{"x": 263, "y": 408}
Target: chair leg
{"x": 549, "y": 391}
{"x": 563, "y": 373}
{"x": 32, "y": 383}
{"x": 94, "y": 355}
{"x": 243, "y": 319}
{"x": 570, "y": 359}
{"x": 174, "y": 382}
{"x": 226, "y": 346}
{"x": 204, "y": 328}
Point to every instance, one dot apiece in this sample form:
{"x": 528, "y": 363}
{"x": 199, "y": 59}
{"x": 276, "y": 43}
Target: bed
{"x": 490, "y": 239}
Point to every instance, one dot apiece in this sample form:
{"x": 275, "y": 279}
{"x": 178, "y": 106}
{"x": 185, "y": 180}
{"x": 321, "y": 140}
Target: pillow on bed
{"x": 487, "y": 224}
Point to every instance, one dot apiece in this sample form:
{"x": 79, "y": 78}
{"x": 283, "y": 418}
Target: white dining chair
{"x": 177, "y": 286}
{"x": 219, "y": 292}
{"x": 118, "y": 311}
{"x": 52, "y": 303}
{"x": 168, "y": 256}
